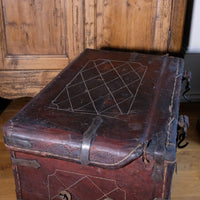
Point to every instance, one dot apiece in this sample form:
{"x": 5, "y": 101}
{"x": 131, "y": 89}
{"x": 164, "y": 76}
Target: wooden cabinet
{"x": 38, "y": 38}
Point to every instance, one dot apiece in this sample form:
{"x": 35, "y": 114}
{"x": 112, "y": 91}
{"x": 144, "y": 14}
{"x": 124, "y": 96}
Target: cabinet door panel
{"x": 38, "y": 38}
{"x": 40, "y": 34}
{"x": 34, "y": 27}
{"x": 139, "y": 25}
{"x": 133, "y": 24}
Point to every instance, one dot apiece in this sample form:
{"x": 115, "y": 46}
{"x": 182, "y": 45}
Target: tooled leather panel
{"x": 49, "y": 127}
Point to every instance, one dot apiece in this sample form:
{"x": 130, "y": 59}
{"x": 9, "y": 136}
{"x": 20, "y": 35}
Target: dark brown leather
{"x": 55, "y": 177}
{"x": 136, "y": 95}
{"x": 77, "y": 138}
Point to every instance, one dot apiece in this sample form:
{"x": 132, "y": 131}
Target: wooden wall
{"x": 38, "y": 38}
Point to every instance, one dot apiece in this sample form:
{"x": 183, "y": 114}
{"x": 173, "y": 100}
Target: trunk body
{"x": 104, "y": 129}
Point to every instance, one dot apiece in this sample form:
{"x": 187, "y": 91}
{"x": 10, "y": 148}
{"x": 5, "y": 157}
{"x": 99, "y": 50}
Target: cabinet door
{"x": 38, "y": 38}
{"x": 139, "y": 25}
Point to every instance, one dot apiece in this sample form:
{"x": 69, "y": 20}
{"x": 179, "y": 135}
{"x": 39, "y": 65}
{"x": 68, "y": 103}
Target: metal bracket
{"x": 25, "y": 162}
{"x": 187, "y": 77}
{"x": 88, "y": 137}
{"x": 183, "y": 124}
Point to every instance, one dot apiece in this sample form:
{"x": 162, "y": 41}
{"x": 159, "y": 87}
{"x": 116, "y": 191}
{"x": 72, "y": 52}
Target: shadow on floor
{"x": 3, "y": 104}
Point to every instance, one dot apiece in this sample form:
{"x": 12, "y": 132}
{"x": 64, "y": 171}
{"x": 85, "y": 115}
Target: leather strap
{"x": 88, "y": 137}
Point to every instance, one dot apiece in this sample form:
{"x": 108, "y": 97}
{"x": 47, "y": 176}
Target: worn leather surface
{"x": 140, "y": 114}
{"x": 132, "y": 182}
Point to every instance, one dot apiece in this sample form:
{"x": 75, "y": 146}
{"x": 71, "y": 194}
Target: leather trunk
{"x": 104, "y": 129}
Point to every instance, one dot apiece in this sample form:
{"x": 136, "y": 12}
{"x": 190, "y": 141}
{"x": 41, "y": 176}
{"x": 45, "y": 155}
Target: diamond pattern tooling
{"x": 102, "y": 87}
{"x": 72, "y": 189}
